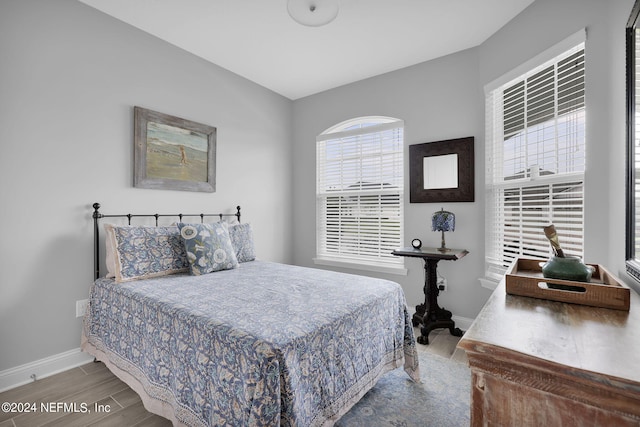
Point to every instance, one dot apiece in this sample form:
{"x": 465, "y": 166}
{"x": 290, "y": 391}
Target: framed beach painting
{"x": 173, "y": 153}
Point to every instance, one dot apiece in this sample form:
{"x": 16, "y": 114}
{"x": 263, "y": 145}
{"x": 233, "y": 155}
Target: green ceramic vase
{"x": 567, "y": 268}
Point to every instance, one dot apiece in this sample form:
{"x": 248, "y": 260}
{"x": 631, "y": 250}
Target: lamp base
{"x": 442, "y": 247}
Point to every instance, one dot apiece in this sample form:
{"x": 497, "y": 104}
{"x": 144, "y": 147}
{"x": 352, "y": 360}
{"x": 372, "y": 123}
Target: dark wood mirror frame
{"x": 465, "y": 192}
{"x": 632, "y": 260}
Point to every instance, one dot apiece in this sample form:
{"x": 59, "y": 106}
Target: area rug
{"x": 441, "y": 400}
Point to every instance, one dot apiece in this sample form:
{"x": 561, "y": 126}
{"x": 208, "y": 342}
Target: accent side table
{"x": 430, "y": 314}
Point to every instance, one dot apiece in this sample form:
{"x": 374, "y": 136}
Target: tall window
{"x": 359, "y": 193}
{"x": 535, "y": 161}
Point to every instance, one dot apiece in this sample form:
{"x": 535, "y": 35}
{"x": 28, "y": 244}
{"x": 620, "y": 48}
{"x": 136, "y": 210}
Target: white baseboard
{"x": 461, "y": 322}
{"x": 29, "y": 372}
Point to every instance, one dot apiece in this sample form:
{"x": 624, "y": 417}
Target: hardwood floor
{"x": 92, "y": 386}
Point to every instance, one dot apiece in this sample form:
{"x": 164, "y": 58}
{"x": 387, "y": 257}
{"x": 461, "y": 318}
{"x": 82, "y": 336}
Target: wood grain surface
{"x": 540, "y": 362}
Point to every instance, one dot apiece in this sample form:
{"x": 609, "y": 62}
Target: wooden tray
{"x": 524, "y": 278}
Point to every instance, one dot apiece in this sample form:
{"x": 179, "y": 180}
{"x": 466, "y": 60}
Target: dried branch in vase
{"x": 550, "y": 232}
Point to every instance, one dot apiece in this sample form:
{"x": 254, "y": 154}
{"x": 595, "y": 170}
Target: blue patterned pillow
{"x": 242, "y": 241}
{"x": 208, "y": 247}
{"x": 140, "y": 252}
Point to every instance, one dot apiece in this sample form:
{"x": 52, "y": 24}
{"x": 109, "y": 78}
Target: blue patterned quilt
{"x": 264, "y": 344}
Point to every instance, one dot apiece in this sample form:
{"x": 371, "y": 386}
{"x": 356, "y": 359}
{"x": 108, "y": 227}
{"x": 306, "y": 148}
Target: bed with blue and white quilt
{"x": 255, "y": 343}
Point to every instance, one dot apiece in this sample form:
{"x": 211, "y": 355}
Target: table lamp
{"x": 443, "y": 221}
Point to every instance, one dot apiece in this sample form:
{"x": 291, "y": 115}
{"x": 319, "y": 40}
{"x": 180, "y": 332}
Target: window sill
{"x": 488, "y": 283}
{"x": 399, "y": 270}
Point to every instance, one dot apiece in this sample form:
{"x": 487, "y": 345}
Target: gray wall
{"x": 69, "y": 78}
{"x": 444, "y": 99}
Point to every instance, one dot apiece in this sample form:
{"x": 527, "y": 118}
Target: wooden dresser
{"x": 543, "y": 363}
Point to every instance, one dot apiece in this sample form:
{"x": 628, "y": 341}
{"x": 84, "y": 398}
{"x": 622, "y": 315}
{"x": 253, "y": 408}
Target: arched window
{"x": 359, "y": 193}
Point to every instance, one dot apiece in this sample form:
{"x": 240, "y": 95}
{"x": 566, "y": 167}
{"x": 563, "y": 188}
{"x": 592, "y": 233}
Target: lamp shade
{"x": 443, "y": 221}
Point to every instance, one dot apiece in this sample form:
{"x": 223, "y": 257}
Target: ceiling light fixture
{"x": 313, "y": 13}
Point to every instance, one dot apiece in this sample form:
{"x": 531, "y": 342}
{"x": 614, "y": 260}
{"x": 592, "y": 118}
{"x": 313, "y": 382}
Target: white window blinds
{"x": 360, "y": 192}
{"x": 535, "y": 157}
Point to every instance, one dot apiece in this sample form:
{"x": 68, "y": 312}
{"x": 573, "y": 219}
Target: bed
{"x": 253, "y": 343}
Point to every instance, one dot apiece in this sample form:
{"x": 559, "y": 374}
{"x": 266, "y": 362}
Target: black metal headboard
{"x": 96, "y": 231}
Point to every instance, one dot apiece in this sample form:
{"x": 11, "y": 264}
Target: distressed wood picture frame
{"x": 171, "y": 153}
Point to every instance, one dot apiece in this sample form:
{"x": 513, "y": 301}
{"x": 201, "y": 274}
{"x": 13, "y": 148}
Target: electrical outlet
{"x": 442, "y": 285}
{"x": 81, "y": 307}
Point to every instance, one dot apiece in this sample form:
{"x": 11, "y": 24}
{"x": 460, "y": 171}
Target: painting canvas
{"x": 173, "y": 153}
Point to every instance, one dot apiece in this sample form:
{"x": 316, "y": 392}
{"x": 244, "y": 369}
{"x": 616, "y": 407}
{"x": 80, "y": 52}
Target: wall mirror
{"x": 633, "y": 145}
{"x": 442, "y": 171}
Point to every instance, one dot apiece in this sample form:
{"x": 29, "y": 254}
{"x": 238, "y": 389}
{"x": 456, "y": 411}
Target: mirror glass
{"x": 633, "y": 145}
{"x": 440, "y": 171}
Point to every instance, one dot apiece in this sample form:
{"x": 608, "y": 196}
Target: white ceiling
{"x": 258, "y": 40}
